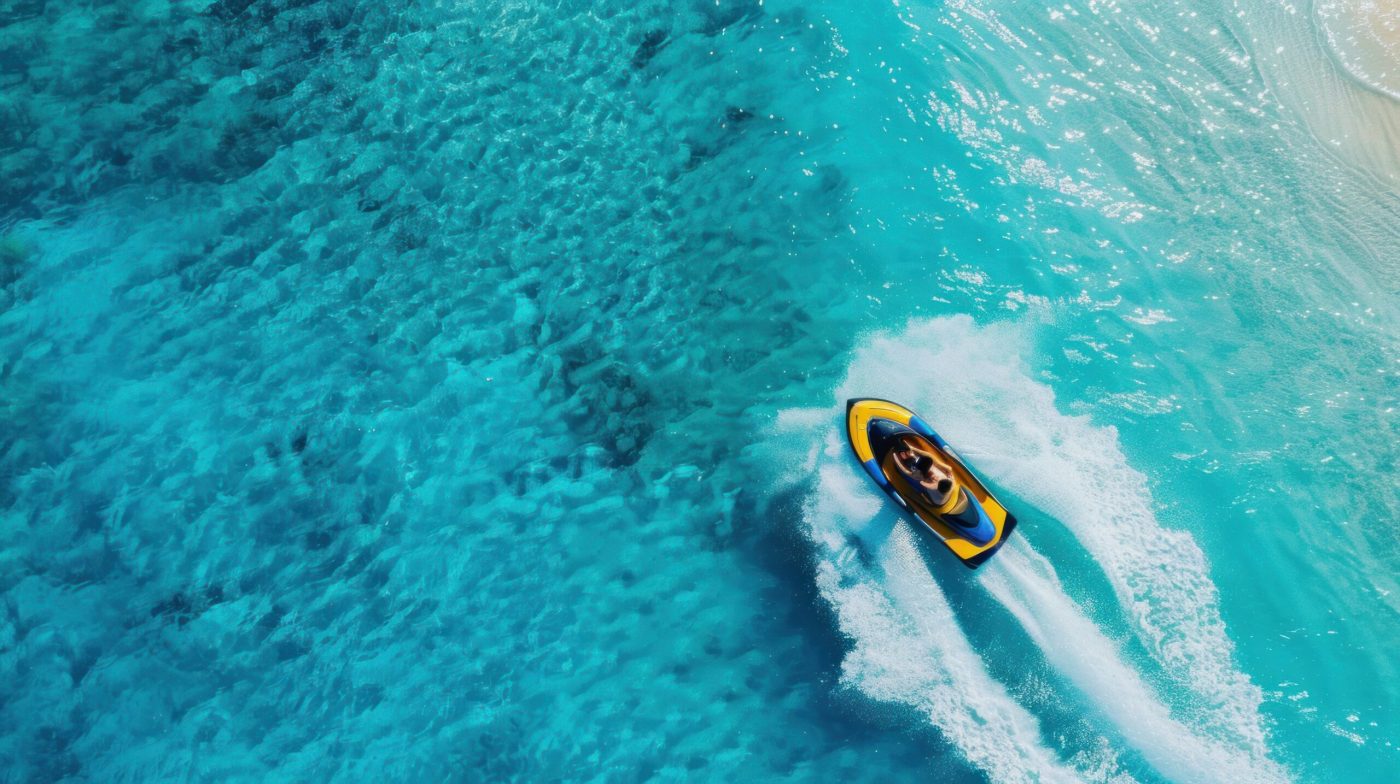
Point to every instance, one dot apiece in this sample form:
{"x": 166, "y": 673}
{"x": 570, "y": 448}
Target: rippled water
{"x": 452, "y": 391}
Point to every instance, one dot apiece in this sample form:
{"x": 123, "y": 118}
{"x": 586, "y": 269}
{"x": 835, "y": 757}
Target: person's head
{"x": 938, "y": 471}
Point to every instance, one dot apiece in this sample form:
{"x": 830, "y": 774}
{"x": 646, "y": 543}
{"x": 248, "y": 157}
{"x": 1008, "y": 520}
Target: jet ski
{"x": 961, "y": 512}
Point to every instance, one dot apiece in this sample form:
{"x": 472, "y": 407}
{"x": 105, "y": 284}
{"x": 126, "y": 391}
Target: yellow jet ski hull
{"x": 871, "y": 426}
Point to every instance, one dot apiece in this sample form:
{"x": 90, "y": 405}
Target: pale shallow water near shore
{"x": 1337, "y": 63}
{"x": 1365, "y": 35}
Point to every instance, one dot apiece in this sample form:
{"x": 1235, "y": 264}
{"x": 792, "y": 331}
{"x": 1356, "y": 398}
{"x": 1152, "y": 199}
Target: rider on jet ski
{"x": 934, "y": 478}
{"x": 914, "y": 466}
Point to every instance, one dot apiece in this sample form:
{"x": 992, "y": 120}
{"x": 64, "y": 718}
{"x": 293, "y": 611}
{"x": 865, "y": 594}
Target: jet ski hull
{"x": 872, "y": 428}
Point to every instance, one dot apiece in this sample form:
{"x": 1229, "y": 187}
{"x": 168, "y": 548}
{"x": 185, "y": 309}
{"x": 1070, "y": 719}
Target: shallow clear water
{"x": 453, "y": 392}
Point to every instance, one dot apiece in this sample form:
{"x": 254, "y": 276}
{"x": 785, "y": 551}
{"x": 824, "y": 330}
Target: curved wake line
{"x": 1008, "y": 424}
{"x": 1025, "y": 583}
{"x": 908, "y": 647}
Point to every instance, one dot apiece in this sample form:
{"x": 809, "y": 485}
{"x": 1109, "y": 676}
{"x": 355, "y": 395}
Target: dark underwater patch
{"x": 14, "y": 256}
{"x": 181, "y": 607}
{"x": 737, "y": 114}
{"x": 611, "y": 406}
{"x": 651, "y": 45}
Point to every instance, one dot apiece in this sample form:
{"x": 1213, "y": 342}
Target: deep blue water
{"x": 452, "y": 392}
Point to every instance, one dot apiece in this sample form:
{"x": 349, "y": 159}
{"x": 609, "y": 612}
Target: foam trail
{"x": 908, "y": 647}
{"x": 1009, "y": 426}
{"x": 1025, "y": 583}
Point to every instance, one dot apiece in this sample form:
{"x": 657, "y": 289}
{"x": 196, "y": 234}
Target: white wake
{"x": 908, "y": 646}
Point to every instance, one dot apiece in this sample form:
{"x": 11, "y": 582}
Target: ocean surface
{"x": 452, "y": 391}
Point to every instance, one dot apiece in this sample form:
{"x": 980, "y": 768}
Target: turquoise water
{"x": 453, "y": 392}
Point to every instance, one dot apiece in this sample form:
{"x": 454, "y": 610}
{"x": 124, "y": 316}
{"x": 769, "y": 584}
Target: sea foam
{"x": 907, "y": 645}
{"x": 899, "y": 619}
{"x": 1009, "y": 424}
{"x": 1025, "y": 583}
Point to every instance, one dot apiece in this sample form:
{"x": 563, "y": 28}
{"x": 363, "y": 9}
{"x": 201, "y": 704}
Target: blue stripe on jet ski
{"x": 985, "y": 530}
{"x": 921, "y": 427}
{"x": 873, "y": 468}
{"x": 976, "y": 527}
